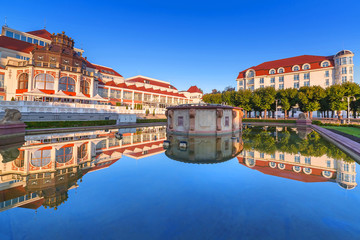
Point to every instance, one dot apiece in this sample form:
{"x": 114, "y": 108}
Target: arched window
{"x": 325, "y": 64}
{"x": 296, "y": 68}
{"x": 84, "y": 87}
{"x": 306, "y": 67}
{"x": 281, "y": 166}
{"x": 272, "y": 71}
{"x": 307, "y": 170}
{"x": 64, "y": 154}
{"x": 67, "y": 84}
{"x": 327, "y": 174}
{"x": 281, "y": 70}
{"x": 82, "y": 151}
{"x": 296, "y": 169}
{"x": 272, "y": 164}
{"x": 23, "y": 81}
{"x": 44, "y": 81}
{"x": 250, "y": 74}
{"x": 41, "y": 158}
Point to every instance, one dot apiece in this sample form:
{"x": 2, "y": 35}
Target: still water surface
{"x": 268, "y": 183}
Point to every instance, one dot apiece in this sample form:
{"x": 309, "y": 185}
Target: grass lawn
{"x": 349, "y": 130}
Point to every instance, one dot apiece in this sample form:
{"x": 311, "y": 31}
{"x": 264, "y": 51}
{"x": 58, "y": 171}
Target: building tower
{"x": 346, "y": 174}
{"x": 344, "y": 67}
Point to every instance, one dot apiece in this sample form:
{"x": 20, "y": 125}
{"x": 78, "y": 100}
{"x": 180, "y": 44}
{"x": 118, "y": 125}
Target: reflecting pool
{"x": 262, "y": 183}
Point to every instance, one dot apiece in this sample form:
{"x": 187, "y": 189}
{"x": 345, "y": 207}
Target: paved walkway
{"x": 349, "y": 144}
{"x": 90, "y": 128}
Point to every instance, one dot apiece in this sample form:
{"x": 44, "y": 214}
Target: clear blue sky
{"x": 186, "y": 42}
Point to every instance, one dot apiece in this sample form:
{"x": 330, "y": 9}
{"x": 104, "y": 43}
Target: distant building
{"x": 45, "y": 67}
{"x": 295, "y": 72}
{"x": 193, "y": 93}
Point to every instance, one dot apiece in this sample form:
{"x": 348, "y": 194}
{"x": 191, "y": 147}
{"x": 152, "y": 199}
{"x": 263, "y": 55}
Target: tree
{"x": 229, "y": 89}
{"x": 335, "y": 93}
{"x": 243, "y": 100}
{"x": 351, "y": 90}
{"x": 215, "y": 91}
{"x": 309, "y": 98}
{"x": 264, "y": 98}
{"x": 284, "y": 101}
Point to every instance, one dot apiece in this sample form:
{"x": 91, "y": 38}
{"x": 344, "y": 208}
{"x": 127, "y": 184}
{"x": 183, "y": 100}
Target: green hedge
{"x": 268, "y": 120}
{"x": 150, "y": 120}
{"x": 335, "y": 124}
{"x": 63, "y": 124}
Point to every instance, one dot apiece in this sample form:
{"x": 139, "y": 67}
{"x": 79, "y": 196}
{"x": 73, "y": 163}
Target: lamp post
{"x": 349, "y": 99}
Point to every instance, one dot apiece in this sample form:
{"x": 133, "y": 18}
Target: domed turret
{"x": 346, "y": 174}
{"x": 344, "y": 66}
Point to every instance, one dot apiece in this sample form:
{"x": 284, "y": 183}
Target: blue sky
{"x": 186, "y": 42}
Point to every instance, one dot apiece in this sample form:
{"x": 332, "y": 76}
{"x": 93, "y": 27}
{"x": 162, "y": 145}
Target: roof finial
{"x": 5, "y": 25}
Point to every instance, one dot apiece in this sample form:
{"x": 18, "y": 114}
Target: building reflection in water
{"x": 202, "y": 149}
{"x": 47, "y": 166}
{"x": 296, "y": 155}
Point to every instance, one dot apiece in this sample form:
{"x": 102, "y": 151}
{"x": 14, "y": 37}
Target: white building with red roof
{"x": 295, "y": 72}
{"x": 45, "y": 67}
{"x": 194, "y": 93}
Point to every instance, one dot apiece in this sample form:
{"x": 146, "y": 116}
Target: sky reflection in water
{"x": 268, "y": 183}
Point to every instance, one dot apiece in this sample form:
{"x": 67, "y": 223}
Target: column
{"x": 132, "y": 99}
{"x": 92, "y": 83}
{"x": 31, "y": 83}
{"x": 56, "y": 82}
{"x": 77, "y": 86}
{"x": 122, "y": 95}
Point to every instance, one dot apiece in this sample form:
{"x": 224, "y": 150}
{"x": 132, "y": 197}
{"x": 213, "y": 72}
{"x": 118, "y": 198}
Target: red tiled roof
{"x": 16, "y": 45}
{"x": 140, "y": 89}
{"x": 152, "y": 82}
{"x": 288, "y": 63}
{"x": 106, "y": 70}
{"x": 194, "y": 89}
{"x": 262, "y": 166}
{"x": 43, "y": 33}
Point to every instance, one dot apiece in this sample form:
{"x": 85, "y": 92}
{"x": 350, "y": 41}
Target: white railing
{"x": 58, "y": 107}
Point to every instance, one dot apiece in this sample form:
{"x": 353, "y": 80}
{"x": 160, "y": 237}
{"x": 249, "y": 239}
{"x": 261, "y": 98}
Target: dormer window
{"x": 147, "y": 81}
{"x": 76, "y": 64}
{"x": 272, "y": 71}
{"x": 281, "y": 70}
{"x": 66, "y": 61}
{"x": 296, "y": 68}
{"x": 325, "y": 64}
{"x": 52, "y": 59}
{"x": 40, "y": 57}
{"x": 306, "y": 66}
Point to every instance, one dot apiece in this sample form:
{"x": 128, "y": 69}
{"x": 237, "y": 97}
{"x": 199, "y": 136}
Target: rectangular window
{"x": 2, "y": 79}
{"x": 344, "y": 79}
{"x": 17, "y": 36}
{"x": 307, "y": 83}
{"x": 272, "y": 80}
{"x": 23, "y": 38}
{"x": 9, "y": 34}
{"x": 262, "y": 155}
{"x": 273, "y": 86}
{"x": 227, "y": 123}
{"x": 282, "y": 157}
{"x": 343, "y": 70}
{"x": 306, "y": 75}
{"x": 42, "y": 43}
{"x": 350, "y": 60}
{"x": 281, "y": 86}
{"x": 296, "y": 85}
{"x": 297, "y": 159}
{"x": 261, "y": 80}
{"x": 350, "y": 78}
{"x": 36, "y": 41}
{"x": 180, "y": 121}
{"x": 343, "y": 61}
{"x": 281, "y": 79}
{"x": 29, "y": 40}
{"x": 328, "y": 163}
{"x": 307, "y": 160}
{"x": 350, "y": 70}
{"x": 327, "y": 83}
{"x": 241, "y": 83}
{"x": 326, "y": 73}
{"x": 261, "y": 86}
{"x": 273, "y": 156}
{"x": 296, "y": 77}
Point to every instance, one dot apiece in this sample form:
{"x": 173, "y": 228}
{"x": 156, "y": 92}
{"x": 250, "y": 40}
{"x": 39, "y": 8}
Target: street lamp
{"x": 349, "y": 99}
